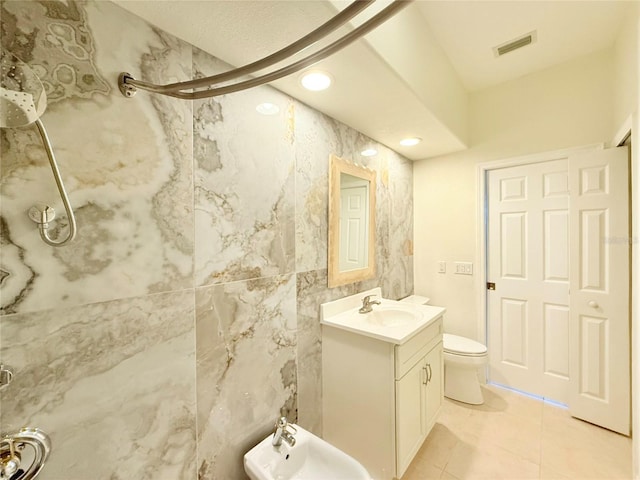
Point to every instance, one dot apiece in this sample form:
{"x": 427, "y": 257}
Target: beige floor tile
{"x": 437, "y": 448}
{"x": 574, "y": 462}
{"x": 453, "y": 408}
{"x": 559, "y": 419}
{"x": 422, "y": 472}
{"x": 455, "y": 416}
{"x": 515, "y": 437}
{"x": 579, "y": 455}
{"x": 480, "y": 461}
{"x": 517, "y": 434}
{"x": 448, "y": 476}
{"x": 579, "y": 449}
{"x": 547, "y": 474}
{"x": 506, "y": 419}
{"x": 507, "y": 401}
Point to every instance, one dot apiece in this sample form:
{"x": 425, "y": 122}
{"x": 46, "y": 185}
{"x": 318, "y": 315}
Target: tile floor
{"x": 512, "y": 436}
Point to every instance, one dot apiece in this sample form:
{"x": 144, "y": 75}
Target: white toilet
{"x": 462, "y": 359}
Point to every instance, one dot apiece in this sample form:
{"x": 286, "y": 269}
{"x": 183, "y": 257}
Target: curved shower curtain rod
{"x": 129, "y": 85}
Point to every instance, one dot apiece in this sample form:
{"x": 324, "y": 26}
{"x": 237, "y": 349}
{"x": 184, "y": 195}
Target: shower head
{"x": 22, "y": 96}
{"x": 22, "y": 102}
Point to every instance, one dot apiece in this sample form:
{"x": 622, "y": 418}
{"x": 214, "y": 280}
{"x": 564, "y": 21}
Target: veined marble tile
{"x": 244, "y": 181}
{"x": 400, "y": 269}
{"x": 113, "y": 384}
{"x": 317, "y": 137}
{"x": 397, "y": 281}
{"x": 126, "y": 163}
{"x": 312, "y": 291}
{"x": 246, "y": 368}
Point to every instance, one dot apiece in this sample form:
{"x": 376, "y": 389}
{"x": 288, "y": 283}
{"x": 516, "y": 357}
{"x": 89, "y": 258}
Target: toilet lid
{"x": 462, "y": 345}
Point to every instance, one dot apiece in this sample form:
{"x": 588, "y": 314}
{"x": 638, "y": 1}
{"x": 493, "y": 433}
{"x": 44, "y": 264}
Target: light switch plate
{"x": 442, "y": 267}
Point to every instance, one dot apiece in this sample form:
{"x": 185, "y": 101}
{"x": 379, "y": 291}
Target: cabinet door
{"x": 435, "y": 385}
{"x": 410, "y": 419}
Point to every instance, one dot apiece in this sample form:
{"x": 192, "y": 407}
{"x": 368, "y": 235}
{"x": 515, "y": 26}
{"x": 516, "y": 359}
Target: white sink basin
{"x": 393, "y": 316}
{"x": 311, "y": 458}
{"x": 390, "y": 321}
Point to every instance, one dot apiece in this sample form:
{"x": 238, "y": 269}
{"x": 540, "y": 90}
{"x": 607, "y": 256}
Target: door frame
{"x": 481, "y": 214}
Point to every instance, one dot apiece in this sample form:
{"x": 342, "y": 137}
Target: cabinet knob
{"x": 593, "y": 304}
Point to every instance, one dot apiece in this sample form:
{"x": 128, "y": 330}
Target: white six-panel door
{"x": 600, "y": 360}
{"x": 528, "y": 257}
{"x": 354, "y": 216}
{"x": 558, "y": 253}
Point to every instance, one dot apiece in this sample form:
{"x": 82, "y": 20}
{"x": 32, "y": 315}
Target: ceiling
{"x": 412, "y": 75}
{"x": 566, "y": 29}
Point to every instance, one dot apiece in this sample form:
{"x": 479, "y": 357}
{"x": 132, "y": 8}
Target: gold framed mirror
{"x": 352, "y": 225}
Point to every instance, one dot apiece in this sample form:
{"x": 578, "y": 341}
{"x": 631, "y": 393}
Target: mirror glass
{"x": 352, "y": 206}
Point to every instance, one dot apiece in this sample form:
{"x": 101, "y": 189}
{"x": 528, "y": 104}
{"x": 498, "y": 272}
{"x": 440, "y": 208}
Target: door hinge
{"x": 491, "y": 286}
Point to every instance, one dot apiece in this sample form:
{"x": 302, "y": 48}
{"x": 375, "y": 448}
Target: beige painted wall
{"x": 626, "y": 106}
{"x": 635, "y": 292}
{"x": 564, "y": 106}
{"x": 625, "y": 67}
{"x": 584, "y": 101}
{"x": 632, "y": 57}
{"x": 433, "y": 80}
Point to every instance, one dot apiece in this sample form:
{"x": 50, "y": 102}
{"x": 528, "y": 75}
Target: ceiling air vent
{"x": 516, "y": 43}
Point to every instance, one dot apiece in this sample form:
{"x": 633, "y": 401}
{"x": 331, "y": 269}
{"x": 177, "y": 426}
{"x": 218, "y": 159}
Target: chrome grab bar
{"x": 13, "y": 452}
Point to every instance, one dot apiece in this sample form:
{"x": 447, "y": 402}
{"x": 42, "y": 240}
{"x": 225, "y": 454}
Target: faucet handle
{"x": 284, "y": 424}
{"x": 284, "y": 431}
{"x": 366, "y": 301}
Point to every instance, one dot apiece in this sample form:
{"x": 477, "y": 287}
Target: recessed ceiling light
{"x": 369, "y": 152}
{"x": 315, "y": 80}
{"x": 410, "y": 142}
{"x": 267, "y": 108}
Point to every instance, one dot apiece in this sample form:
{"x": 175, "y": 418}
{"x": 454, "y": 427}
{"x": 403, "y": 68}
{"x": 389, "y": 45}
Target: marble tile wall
{"x": 184, "y": 318}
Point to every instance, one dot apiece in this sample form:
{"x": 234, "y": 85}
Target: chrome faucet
{"x": 367, "y": 304}
{"x": 284, "y": 431}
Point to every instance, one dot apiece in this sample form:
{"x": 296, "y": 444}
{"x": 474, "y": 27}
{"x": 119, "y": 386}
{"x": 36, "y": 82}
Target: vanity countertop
{"x": 391, "y": 321}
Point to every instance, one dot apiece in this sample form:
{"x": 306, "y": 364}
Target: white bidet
{"x": 310, "y": 458}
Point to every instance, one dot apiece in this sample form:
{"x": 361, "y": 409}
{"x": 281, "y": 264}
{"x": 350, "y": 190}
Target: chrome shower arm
{"x": 128, "y": 85}
{"x": 43, "y": 225}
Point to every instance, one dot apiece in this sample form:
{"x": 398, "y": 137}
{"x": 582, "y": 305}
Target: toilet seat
{"x": 462, "y": 346}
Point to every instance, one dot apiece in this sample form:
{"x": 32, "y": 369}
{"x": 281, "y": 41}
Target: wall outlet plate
{"x": 463, "y": 268}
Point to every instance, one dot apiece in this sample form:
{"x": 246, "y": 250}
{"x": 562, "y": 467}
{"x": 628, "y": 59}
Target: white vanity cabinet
{"x": 381, "y": 399}
{"x": 419, "y": 394}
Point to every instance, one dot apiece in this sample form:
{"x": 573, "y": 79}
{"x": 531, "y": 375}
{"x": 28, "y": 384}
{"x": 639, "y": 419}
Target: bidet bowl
{"x": 311, "y": 458}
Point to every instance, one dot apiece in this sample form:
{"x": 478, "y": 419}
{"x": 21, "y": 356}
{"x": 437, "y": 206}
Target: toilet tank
{"x": 416, "y": 300}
